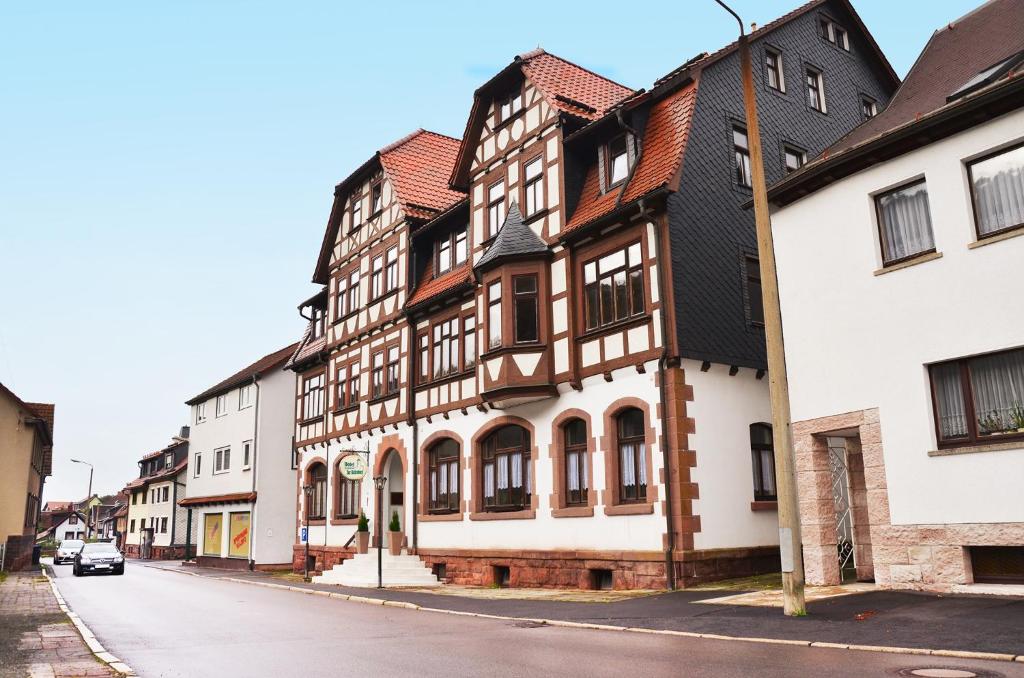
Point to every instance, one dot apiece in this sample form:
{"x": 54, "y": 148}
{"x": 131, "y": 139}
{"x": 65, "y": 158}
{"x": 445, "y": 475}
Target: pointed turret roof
{"x": 514, "y": 240}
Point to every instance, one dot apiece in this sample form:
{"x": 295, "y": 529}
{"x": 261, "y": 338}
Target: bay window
{"x": 904, "y": 223}
{"x": 505, "y": 457}
{"x": 997, "y": 191}
{"x": 443, "y": 477}
{"x": 979, "y": 399}
{"x": 524, "y": 289}
{"x": 613, "y": 287}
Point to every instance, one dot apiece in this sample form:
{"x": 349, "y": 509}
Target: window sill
{"x": 311, "y": 421}
{"x": 614, "y": 327}
{"x": 539, "y": 214}
{"x": 350, "y": 314}
{"x": 764, "y": 506}
{"x": 510, "y": 119}
{"x": 527, "y": 514}
{"x": 629, "y": 509}
{"x": 314, "y": 522}
{"x": 446, "y": 379}
{"x": 440, "y": 517}
{"x": 384, "y": 296}
{"x": 373, "y": 215}
{"x": 346, "y": 410}
{"x": 1016, "y": 444}
{"x": 573, "y": 512}
{"x": 386, "y": 396}
{"x": 344, "y": 521}
{"x": 532, "y": 347}
{"x": 1000, "y": 236}
{"x": 906, "y": 263}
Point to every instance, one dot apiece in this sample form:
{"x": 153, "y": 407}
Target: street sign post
{"x": 305, "y": 535}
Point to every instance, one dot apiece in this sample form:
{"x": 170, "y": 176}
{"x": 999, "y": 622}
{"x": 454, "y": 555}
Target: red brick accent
{"x": 326, "y": 557}
{"x": 18, "y": 554}
{"x": 680, "y": 459}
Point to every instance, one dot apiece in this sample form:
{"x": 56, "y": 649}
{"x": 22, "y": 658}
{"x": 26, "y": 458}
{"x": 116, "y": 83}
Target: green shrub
{"x": 395, "y": 526}
{"x": 364, "y": 522}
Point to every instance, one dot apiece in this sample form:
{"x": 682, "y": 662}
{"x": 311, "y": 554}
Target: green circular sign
{"x": 353, "y": 466}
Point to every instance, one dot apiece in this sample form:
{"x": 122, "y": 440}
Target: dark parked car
{"x": 98, "y": 557}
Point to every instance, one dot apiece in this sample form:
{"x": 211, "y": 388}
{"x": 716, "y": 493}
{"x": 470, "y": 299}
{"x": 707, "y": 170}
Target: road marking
{"x": 90, "y": 640}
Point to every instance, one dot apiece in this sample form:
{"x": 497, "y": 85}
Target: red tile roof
{"x": 566, "y": 85}
{"x": 264, "y": 364}
{"x": 431, "y": 287}
{"x": 419, "y": 166}
{"x": 664, "y": 140}
{"x": 156, "y": 477}
{"x": 307, "y": 347}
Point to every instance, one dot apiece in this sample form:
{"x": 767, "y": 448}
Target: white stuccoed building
{"x": 241, "y": 485}
{"x": 899, "y": 263}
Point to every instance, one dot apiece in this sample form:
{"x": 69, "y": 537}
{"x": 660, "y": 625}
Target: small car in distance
{"x": 66, "y": 550}
{"x": 98, "y": 557}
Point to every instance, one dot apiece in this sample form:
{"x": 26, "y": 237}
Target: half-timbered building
{"x": 568, "y": 387}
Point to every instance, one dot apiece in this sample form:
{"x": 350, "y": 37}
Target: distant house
{"x": 157, "y": 526}
{"x": 241, "y": 487}
{"x": 26, "y": 459}
{"x": 900, "y": 253}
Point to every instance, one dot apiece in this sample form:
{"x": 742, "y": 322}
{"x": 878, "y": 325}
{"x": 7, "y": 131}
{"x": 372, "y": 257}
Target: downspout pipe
{"x": 254, "y": 465}
{"x": 414, "y": 424}
{"x": 666, "y": 454}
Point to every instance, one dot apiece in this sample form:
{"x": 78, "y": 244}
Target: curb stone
{"x": 94, "y": 645}
{"x": 958, "y": 654}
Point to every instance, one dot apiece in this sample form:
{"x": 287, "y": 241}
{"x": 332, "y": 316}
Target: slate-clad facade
{"x": 564, "y": 387}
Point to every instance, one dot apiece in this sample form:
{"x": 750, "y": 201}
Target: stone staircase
{"x": 361, "y": 571}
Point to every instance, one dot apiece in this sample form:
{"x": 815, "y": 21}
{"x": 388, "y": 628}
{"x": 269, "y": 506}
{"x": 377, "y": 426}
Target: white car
{"x": 66, "y": 550}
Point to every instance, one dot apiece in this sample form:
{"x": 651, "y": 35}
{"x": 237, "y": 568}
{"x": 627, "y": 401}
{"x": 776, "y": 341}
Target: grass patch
{"x": 286, "y": 575}
{"x": 3, "y": 577}
{"x": 761, "y": 582}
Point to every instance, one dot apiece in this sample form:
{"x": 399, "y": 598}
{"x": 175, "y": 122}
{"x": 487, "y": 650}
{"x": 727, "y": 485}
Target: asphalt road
{"x": 170, "y": 624}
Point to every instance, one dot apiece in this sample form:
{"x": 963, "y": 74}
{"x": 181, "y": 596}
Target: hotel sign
{"x": 353, "y": 466}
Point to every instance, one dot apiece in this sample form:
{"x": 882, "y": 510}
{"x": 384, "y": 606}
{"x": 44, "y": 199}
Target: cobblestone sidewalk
{"x": 36, "y": 638}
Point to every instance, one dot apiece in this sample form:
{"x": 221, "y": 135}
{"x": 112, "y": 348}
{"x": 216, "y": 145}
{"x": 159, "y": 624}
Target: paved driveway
{"x": 170, "y": 624}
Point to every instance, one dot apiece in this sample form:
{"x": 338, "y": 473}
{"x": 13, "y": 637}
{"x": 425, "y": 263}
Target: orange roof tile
{"x": 419, "y": 166}
{"x": 664, "y": 141}
{"x": 566, "y": 85}
{"x": 431, "y": 287}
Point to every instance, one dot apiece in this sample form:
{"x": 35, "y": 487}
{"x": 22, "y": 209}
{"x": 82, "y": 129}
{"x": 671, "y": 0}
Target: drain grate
{"x": 947, "y": 672}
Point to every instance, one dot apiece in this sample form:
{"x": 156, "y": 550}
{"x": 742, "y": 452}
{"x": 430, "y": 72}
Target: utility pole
{"x": 88, "y": 515}
{"x": 790, "y": 541}
{"x": 378, "y": 484}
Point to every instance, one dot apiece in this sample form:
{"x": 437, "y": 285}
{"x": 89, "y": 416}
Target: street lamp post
{"x": 88, "y": 528}
{"x": 378, "y": 484}
{"x": 778, "y": 381}
{"x": 307, "y": 491}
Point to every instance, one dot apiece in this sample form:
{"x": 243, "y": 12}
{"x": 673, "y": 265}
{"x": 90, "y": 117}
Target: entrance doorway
{"x": 839, "y": 470}
{"x": 393, "y": 496}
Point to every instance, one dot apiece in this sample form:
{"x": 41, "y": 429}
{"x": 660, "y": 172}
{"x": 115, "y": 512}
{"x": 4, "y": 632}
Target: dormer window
{"x": 834, "y": 33}
{"x": 508, "y": 108}
{"x": 451, "y": 251}
{"x": 168, "y": 460}
{"x": 868, "y": 107}
{"x": 317, "y": 321}
{"x": 617, "y": 160}
{"x": 376, "y": 197}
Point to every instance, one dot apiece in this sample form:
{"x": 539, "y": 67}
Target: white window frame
{"x": 820, "y": 78}
{"x": 221, "y": 405}
{"x": 198, "y": 463}
{"x": 200, "y": 412}
{"x": 246, "y": 455}
{"x": 245, "y": 396}
{"x": 219, "y": 456}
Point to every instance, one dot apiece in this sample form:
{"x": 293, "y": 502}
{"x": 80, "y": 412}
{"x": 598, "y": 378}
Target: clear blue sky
{"x": 166, "y": 171}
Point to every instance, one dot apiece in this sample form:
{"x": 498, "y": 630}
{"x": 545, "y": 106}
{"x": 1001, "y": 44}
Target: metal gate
{"x": 844, "y": 514}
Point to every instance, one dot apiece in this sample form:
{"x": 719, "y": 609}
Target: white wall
{"x": 273, "y": 520}
{"x": 855, "y": 340}
{"x": 229, "y": 430}
{"x": 723, "y": 409}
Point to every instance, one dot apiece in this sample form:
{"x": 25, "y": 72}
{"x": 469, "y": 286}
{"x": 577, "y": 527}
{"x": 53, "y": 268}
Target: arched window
{"x": 632, "y": 456}
{"x": 316, "y": 509}
{"x": 506, "y": 475}
{"x": 443, "y": 476}
{"x": 575, "y": 432}
{"x": 346, "y": 502}
{"x": 762, "y": 455}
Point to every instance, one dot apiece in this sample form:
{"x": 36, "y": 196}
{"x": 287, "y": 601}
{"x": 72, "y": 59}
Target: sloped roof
{"x": 514, "y": 239}
{"x": 919, "y": 112}
{"x": 662, "y": 145}
{"x": 567, "y": 87}
{"x": 261, "y": 366}
{"x": 431, "y": 287}
{"x": 42, "y": 411}
{"x": 158, "y": 477}
{"x": 419, "y": 165}
{"x": 306, "y": 348}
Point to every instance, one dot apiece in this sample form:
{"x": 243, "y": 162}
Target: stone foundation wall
{"x": 222, "y": 563}
{"x": 920, "y": 557}
{"x": 157, "y": 552}
{"x": 326, "y": 557}
{"x": 18, "y": 552}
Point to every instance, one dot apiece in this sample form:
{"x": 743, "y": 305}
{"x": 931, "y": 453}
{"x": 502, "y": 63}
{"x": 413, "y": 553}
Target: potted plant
{"x": 363, "y": 534}
{"x": 1017, "y": 417}
{"x": 395, "y": 535}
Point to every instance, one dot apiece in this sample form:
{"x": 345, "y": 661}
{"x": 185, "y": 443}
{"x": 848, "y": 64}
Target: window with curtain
{"x": 318, "y": 498}
{"x": 505, "y": 469}
{"x": 741, "y": 149}
{"x": 576, "y": 486}
{"x": 997, "y": 191}
{"x": 979, "y": 399}
{"x": 762, "y": 458}
{"x": 904, "y": 223}
{"x": 632, "y": 456}
{"x": 347, "y": 502}
{"x": 443, "y": 477}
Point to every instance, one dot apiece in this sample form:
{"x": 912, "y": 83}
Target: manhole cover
{"x": 527, "y": 624}
{"x": 947, "y": 672}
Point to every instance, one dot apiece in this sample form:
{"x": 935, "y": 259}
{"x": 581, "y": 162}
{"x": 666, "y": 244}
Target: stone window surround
{"x": 422, "y": 512}
{"x": 609, "y": 443}
{"x": 306, "y": 480}
{"x": 476, "y": 502}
